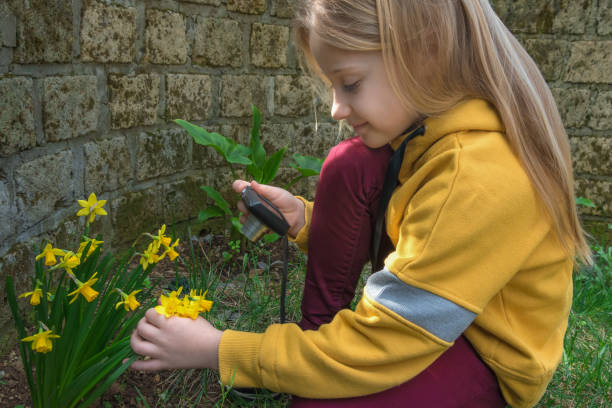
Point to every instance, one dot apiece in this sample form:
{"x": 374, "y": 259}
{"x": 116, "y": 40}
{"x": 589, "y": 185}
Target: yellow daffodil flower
{"x": 204, "y": 304}
{"x": 169, "y": 304}
{"x": 172, "y": 254}
{"x": 94, "y": 244}
{"x": 70, "y": 260}
{"x": 49, "y": 253}
{"x": 41, "y": 341}
{"x": 85, "y": 289}
{"x": 150, "y": 255}
{"x": 165, "y": 241}
{"x": 91, "y": 208}
{"x": 129, "y": 302}
{"x": 36, "y": 295}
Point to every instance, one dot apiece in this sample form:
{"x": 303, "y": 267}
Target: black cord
{"x": 284, "y": 278}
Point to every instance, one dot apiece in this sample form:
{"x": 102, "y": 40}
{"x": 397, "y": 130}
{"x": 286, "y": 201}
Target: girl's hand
{"x": 175, "y": 342}
{"x": 291, "y": 207}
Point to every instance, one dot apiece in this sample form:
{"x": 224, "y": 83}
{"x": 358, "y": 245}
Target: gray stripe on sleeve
{"x": 437, "y": 315}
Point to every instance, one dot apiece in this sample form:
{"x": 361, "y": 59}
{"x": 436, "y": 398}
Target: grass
{"x": 245, "y": 289}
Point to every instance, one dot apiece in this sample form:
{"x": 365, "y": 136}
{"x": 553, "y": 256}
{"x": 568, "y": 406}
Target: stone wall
{"x": 88, "y": 91}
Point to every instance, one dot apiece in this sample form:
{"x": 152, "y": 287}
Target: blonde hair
{"x": 470, "y": 53}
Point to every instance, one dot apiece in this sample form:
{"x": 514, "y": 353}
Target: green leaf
{"x": 236, "y": 223}
{"x": 210, "y": 212}
{"x": 270, "y": 238}
{"x": 271, "y": 167}
{"x": 258, "y": 154}
{"x": 585, "y": 202}
{"x": 307, "y": 165}
{"x": 232, "y": 152}
{"x": 218, "y": 199}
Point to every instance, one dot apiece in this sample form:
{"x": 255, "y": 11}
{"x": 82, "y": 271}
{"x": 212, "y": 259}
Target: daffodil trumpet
{"x": 129, "y": 302}
{"x": 84, "y": 289}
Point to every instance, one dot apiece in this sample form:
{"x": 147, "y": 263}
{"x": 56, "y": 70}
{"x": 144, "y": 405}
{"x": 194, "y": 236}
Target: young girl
{"x": 460, "y": 148}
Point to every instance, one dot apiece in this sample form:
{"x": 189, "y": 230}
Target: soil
{"x": 14, "y": 391}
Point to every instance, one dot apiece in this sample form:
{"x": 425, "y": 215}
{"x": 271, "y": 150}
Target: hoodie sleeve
{"x": 301, "y": 239}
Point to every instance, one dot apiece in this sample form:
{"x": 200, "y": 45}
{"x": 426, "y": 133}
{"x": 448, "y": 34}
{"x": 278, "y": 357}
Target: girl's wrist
{"x": 300, "y": 219}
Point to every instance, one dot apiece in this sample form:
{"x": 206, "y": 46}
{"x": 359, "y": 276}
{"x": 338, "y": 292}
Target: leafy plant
{"x": 257, "y": 164}
{"x": 86, "y": 308}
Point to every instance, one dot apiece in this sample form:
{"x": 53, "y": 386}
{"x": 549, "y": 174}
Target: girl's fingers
{"x": 141, "y": 346}
{"x": 239, "y": 185}
{"x": 147, "y": 331}
{"x": 155, "y": 318}
{"x": 148, "y": 365}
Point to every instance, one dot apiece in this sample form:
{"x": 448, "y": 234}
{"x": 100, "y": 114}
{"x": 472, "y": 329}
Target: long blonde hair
{"x": 468, "y": 52}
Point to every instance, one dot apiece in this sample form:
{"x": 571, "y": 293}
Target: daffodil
{"x": 164, "y": 240}
{"x": 94, "y": 244}
{"x": 169, "y": 304}
{"x": 129, "y": 302}
{"x": 204, "y": 304}
{"x": 150, "y": 255}
{"x": 41, "y": 341}
{"x": 70, "y": 260}
{"x": 91, "y": 208}
{"x": 36, "y": 294}
{"x": 49, "y": 253}
{"x": 84, "y": 289}
{"x": 170, "y": 251}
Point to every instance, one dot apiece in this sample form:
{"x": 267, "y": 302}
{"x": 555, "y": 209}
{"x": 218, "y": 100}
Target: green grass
{"x": 246, "y": 294}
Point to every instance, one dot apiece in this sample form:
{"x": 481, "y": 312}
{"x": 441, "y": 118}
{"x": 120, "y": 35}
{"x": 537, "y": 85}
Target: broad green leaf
{"x": 238, "y": 154}
{"x": 258, "y": 154}
{"x": 585, "y": 202}
{"x": 218, "y": 199}
{"x": 236, "y": 223}
{"x": 210, "y": 212}
{"x": 232, "y": 152}
{"x": 271, "y": 167}
{"x": 255, "y": 172}
{"x": 271, "y": 237}
{"x": 307, "y": 165}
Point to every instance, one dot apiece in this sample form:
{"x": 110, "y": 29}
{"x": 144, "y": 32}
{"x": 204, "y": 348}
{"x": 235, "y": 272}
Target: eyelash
{"x": 351, "y": 87}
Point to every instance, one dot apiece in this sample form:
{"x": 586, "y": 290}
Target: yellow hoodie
{"x": 474, "y": 253}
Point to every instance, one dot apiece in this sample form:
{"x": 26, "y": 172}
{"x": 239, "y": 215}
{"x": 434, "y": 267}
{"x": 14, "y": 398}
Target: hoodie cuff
{"x": 238, "y": 359}
{"x": 301, "y": 238}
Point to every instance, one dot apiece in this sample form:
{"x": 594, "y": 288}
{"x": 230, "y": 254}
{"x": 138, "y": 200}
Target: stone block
{"x": 133, "y": 100}
{"x": 71, "y": 106}
{"x": 107, "y": 164}
{"x": 166, "y": 37}
{"x": 218, "y": 42}
{"x": 183, "y": 199}
{"x": 317, "y": 140}
{"x": 210, "y": 2}
{"x": 292, "y": 95}
{"x": 283, "y": 8}
{"x": 549, "y": 55}
{"x": 16, "y": 115}
{"x": 590, "y": 62}
{"x": 573, "y": 104}
{"x": 162, "y": 152}
{"x": 531, "y": 16}
{"x": 599, "y": 192}
{"x": 8, "y": 28}
{"x": 502, "y": 9}
{"x": 44, "y": 31}
{"x": 108, "y": 33}
{"x": 275, "y": 136}
{"x": 600, "y": 114}
{"x": 247, "y": 6}
{"x": 44, "y": 185}
{"x": 269, "y": 45}
{"x": 571, "y": 17}
{"x": 238, "y": 92}
{"x": 592, "y": 155}
{"x": 604, "y": 17}
{"x": 135, "y": 213}
{"x": 8, "y": 217}
{"x": 188, "y": 96}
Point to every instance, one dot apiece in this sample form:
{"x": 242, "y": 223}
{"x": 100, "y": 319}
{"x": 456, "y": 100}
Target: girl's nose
{"x": 340, "y": 109}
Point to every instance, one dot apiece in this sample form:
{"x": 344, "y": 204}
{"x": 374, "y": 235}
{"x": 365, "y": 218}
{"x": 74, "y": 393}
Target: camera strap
{"x": 391, "y": 181}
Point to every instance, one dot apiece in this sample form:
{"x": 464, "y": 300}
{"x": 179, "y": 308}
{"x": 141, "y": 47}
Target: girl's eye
{"x": 351, "y": 87}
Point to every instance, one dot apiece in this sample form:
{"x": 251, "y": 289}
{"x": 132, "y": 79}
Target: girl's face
{"x": 361, "y": 93}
